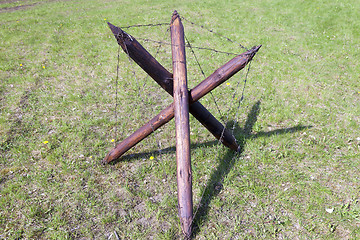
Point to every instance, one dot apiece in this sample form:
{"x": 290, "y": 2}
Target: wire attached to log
{"x": 146, "y": 97}
{"x": 156, "y": 54}
{"x": 203, "y": 73}
{"x": 146, "y": 25}
{"x": 192, "y": 50}
{"x": 240, "y": 101}
{"x": 116, "y": 85}
{"x": 241, "y": 98}
{"x": 212, "y": 31}
{"x": 116, "y": 95}
{"x": 201, "y": 48}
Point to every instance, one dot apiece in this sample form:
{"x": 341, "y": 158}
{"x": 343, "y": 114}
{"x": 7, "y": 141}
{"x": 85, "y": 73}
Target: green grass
{"x": 295, "y": 178}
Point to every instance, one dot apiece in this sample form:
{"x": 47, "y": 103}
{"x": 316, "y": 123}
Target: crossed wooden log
{"x": 184, "y": 102}
{"x": 165, "y": 79}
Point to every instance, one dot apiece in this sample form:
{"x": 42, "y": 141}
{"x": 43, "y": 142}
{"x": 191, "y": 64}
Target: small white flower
{"x": 329, "y": 210}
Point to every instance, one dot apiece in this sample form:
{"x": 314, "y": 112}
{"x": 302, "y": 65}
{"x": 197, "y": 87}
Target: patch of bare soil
{"x": 9, "y": 1}
{"x": 20, "y": 7}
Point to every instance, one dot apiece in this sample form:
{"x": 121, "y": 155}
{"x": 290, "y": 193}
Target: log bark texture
{"x": 181, "y": 109}
{"x": 165, "y": 79}
{"x": 218, "y": 77}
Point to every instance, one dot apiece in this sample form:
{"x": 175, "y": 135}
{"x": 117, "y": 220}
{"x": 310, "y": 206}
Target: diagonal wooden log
{"x": 215, "y": 79}
{"x": 143, "y": 58}
{"x": 165, "y": 79}
{"x": 181, "y": 111}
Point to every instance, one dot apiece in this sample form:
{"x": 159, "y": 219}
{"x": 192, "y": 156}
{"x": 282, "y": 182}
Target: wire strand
{"x": 145, "y": 25}
{"x": 203, "y": 73}
{"x": 201, "y": 48}
{"x": 212, "y": 31}
{"x": 188, "y": 45}
{"x": 116, "y": 95}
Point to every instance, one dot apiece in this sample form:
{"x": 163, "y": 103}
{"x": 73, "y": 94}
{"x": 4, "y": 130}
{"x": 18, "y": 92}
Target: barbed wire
{"x": 203, "y": 73}
{"x": 116, "y": 95}
{"x": 236, "y": 155}
{"x": 145, "y": 98}
{"x": 212, "y": 31}
{"x": 189, "y": 45}
{"x": 146, "y": 25}
{"x": 242, "y": 96}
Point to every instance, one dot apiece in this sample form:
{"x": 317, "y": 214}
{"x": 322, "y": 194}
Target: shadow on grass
{"x": 172, "y": 149}
{"x": 214, "y": 184}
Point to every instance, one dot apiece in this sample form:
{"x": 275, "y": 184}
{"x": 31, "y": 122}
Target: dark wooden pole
{"x": 165, "y": 79}
{"x": 181, "y": 109}
{"x": 143, "y": 58}
{"x": 215, "y": 79}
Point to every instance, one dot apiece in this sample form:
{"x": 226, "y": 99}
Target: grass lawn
{"x": 296, "y": 177}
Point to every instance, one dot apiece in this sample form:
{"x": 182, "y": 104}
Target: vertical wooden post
{"x": 181, "y": 107}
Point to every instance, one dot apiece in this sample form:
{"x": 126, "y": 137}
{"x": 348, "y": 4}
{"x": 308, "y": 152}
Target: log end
{"x": 109, "y": 158}
{"x": 115, "y": 30}
{"x": 120, "y": 35}
{"x": 251, "y": 53}
{"x": 186, "y": 226}
{"x": 174, "y": 16}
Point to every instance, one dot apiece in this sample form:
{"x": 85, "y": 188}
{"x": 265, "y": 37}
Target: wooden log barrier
{"x": 165, "y": 79}
{"x": 215, "y": 79}
{"x": 181, "y": 110}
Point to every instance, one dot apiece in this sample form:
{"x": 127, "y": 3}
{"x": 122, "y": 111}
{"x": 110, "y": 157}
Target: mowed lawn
{"x": 63, "y": 107}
